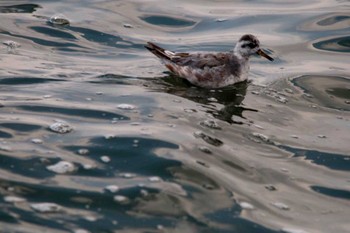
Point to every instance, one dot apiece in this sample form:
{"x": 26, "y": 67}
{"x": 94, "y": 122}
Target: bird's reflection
{"x": 231, "y": 97}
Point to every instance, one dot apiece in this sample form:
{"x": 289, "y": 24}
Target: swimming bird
{"x": 212, "y": 70}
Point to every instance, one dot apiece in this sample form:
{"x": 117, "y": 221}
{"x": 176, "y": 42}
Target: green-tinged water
{"x": 96, "y": 137}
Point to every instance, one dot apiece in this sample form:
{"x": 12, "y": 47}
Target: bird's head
{"x": 248, "y": 45}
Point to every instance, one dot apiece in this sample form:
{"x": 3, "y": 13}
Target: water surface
{"x": 269, "y": 155}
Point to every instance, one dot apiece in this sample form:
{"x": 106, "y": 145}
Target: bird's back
{"x": 208, "y": 70}
{"x": 211, "y": 70}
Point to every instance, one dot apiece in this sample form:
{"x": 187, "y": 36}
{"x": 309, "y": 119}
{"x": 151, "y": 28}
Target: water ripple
{"x": 338, "y": 44}
{"x": 20, "y": 8}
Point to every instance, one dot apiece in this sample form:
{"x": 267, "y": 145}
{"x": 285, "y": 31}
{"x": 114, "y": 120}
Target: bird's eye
{"x": 251, "y": 45}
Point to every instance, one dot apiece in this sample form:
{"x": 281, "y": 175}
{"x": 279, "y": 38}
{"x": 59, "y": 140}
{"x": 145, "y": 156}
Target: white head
{"x": 248, "y": 45}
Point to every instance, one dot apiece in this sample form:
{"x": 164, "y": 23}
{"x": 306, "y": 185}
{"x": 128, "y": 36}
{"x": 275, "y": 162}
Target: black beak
{"x": 263, "y": 54}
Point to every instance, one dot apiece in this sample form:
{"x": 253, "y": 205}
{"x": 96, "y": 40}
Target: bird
{"x": 212, "y": 70}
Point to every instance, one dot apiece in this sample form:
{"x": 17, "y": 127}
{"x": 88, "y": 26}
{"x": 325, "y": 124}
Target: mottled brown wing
{"x": 201, "y": 61}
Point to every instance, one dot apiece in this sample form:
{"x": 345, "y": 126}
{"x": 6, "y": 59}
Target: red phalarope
{"x": 212, "y": 70}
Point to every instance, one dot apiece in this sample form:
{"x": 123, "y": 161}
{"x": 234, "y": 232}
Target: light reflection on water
{"x": 269, "y": 155}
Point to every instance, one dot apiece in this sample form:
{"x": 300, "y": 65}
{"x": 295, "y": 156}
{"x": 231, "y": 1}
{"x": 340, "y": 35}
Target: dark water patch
{"x": 5, "y": 134}
{"x": 340, "y": 44}
{"x": 198, "y": 179}
{"x": 98, "y": 202}
{"x": 235, "y": 224}
{"x": 62, "y": 46}
{"x": 113, "y": 79}
{"x": 231, "y": 97}
{"x": 26, "y": 80}
{"x": 21, "y": 127}
{"x": 5, "y": 215}
{"x": 81, "y": 112}
{"x": 338, "y": 193}
{"x": 343, "y": 93}
{"x": 332, "y": 20}
{"x": 126, "y": 157}
{"x": 329, "y": 160}
{"x": 30, "y": 167}
{"x": 160, "y": 20}
{"x": 53, "y": 32}
{"x": 329, "y": 91}
{"x": 105, "y": 38}
{"x": 178, "y": 86}
{"x": 20, "y": 8}
{"x": 28, "y": 215}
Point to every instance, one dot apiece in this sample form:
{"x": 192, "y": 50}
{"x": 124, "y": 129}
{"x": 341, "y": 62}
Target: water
{"x": 146, "y": 151}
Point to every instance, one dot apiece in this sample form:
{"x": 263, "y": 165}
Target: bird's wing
{"x": 200, "y": 61}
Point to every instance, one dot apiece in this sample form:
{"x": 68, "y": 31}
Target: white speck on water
{"x": 81, "y": 231}
{"x": 321, "y": 136}
{"x": 197, "y": 134}
{"x": 61, "y": 127}
{"x": 261, "y": 136}
{"x": 83, "y": 151}
{"x": 160, "y": 227}
{"x": 290, "y": 91}
{"x": 5, "y": 148}
{"x": 281, "y": 205}
{"x": 90, "y": 218}
{"x": 37, "y": 141}
{"x": 112, "y": 188}
{"x": 126, "y": 106}
{"x": 47, "y": 96}
{"x": 270, "y": 187}
{"x": 154, "y": 179}
{"x": 294, "y": 136}
{"x": 219, "y": 20}
{"x": 59, "y": 19}
{"x": 293, "y": 230}
{"x": 255, "y": 92}
{"x": 205, "y": 149}
{"x": 177, "y": 101}
{"x": 88, "y": 166}
{"x": 246, "y": 205}
{"x": 258, "y": 126}
{"x": 144, "y": 192}
{"x": 308, "y": 95}
{"x": 284, "y": 170}
{"x": 212, "y": 99}
{"x": 88, "y": 99}
{"x": 11, "y": 45}
{"x": 105, "y": 159}
{"x": 14, "y": 199}
{"x": 127, "y": 25}
{"x": 99, "y": 93}
{"x": 120, "y": 199}
{"x": 210, "y": 124}
{"x": 188, "y": 110}
{"x": 135, "y": 123}
{"x": 281, "y": 99}
{"x": 61, "y": 167}
{"x": 46, "y": 207}
{"x": 109, "y": 136}
{"x": 128, "y": 175}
